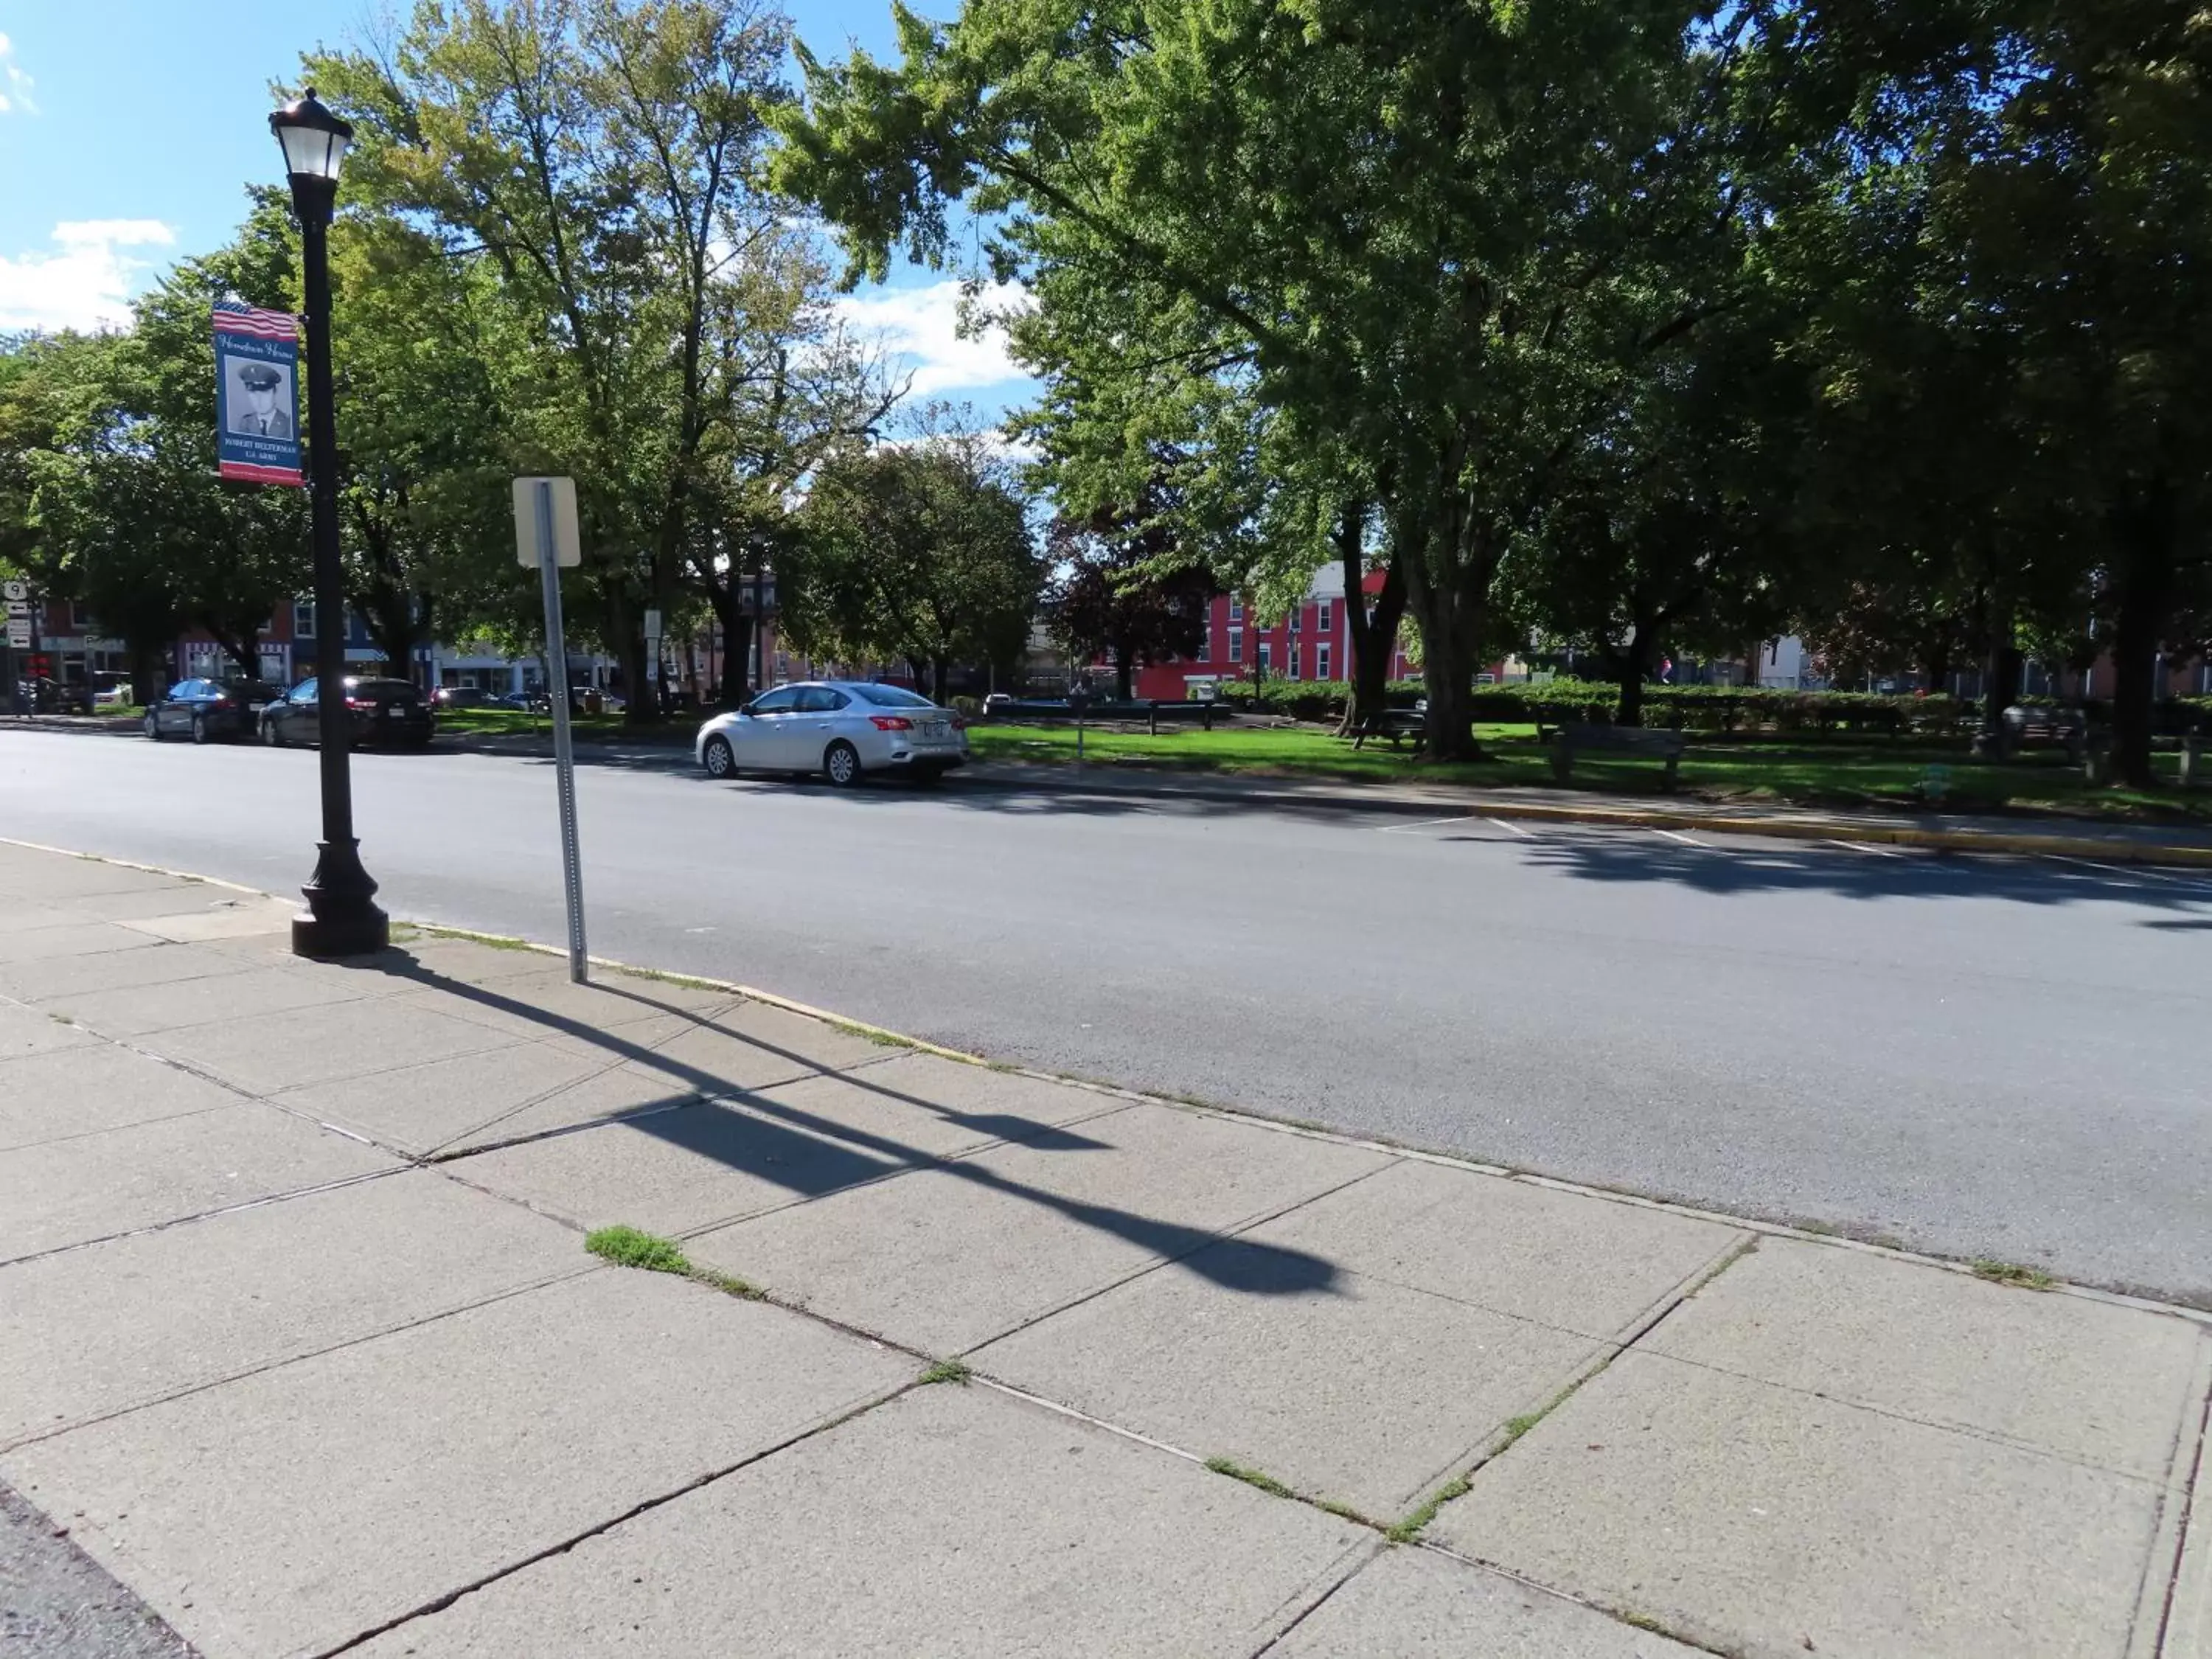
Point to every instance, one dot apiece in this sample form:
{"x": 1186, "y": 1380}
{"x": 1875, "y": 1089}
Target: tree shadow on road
{"x": 1746, "y": 866}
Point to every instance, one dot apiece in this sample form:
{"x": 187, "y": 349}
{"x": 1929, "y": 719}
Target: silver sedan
{"x": 840, "y": 728}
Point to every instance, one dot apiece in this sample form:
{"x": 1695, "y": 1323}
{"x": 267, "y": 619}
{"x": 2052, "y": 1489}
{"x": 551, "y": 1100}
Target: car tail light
{"x": 960, "y": 722}
{"x": 359, "y": 702}
{"x": 891, "y": 722}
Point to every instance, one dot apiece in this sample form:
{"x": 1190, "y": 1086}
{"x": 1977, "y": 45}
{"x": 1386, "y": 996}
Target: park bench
{"x": 1201, "y": 709}
{"x": 2027, "y": 724}
{"x": 1580, "y": 739}
{"x": 1394, "y": 727}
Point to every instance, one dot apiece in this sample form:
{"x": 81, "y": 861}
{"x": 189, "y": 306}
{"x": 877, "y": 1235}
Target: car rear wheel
{"x": 720, "y": 759}
{"x": 840, "y": 764}
{"x": 153, "y": 726}
{"x": 199, "y": 727}
{"x": 269, "y": 735}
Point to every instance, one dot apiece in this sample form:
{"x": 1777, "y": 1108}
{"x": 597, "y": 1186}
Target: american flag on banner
{"x": 233, "y": 319}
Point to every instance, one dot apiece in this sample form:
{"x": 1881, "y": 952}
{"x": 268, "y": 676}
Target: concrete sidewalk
{"x": 299, "y": 1341}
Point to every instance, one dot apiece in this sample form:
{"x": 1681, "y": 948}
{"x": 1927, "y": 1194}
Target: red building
{"x": 1313, "y": 642}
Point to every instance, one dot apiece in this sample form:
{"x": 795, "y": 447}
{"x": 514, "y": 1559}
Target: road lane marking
{"x": 1676, "y": 835}
{"x": 1868, "y": 846}
{"x": 1507, "y": 823}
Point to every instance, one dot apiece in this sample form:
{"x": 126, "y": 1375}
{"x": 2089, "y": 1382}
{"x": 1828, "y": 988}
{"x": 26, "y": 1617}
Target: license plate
{"x": 932, "y": 729}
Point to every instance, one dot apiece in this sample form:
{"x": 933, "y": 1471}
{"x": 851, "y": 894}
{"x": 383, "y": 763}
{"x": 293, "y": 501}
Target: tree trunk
{"x": 149, "y": 672}
{"x": 1450, "y": 619}
{"x": 1629, "y": 667}
{"x": 1125, "y": 687}
{"x": 2145, "y": 569}
{"x": 940, "y": 674}
{"x": 735, "y": 689}
{"x": 1372, "y": 643}
{"x": 2006, "y": 667}
{"x": 629, "y": 633}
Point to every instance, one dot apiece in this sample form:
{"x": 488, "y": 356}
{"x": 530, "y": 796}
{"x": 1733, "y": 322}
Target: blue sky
{"x": 130, "y": 128}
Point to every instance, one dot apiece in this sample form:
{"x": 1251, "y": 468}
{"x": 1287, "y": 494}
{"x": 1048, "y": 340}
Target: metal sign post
{"x": 545, "y": 515}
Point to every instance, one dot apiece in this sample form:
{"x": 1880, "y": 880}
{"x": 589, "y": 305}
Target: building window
{"x": 1291, "y": 660}
{"x": 303, "y": 619}
{"x": 1236, "y": 645}
{"x": 1324, "y": 619}
{"x": 1236, "y": 609}
{"x": 1266, "y": 655}
{"x": 1320, "y": 660}
{"x": 1204, "y": 649}
{"x": 1297, "y": 615}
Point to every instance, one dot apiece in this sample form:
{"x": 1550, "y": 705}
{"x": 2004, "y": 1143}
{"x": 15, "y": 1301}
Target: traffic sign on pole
{"x": 555, "y": 499}
{"x": 539, "y": 514}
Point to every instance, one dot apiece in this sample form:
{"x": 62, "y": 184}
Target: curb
{"x": 1758, "y": 1225}
{"x": 2016, "y": 844}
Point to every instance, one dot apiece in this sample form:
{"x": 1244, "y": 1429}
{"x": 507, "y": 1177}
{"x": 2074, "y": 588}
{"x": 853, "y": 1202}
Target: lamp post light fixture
{"x": 342, "y": 919}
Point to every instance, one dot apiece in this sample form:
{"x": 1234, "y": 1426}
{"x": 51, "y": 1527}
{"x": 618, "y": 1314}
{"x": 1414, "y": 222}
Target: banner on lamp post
{"x": 257, "y": 395}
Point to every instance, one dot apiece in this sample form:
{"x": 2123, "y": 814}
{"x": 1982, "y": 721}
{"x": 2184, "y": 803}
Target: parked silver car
{"x": 840, "y": 728}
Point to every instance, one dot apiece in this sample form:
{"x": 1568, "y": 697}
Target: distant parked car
{"x": 998, "y": 702}
{"x": 463, "y": 696}
{"x": 525, "y": 700}
{"x": 840, "y": 728}
{"x": 205, "y": 709}
{"x": 384, "y": 713}
{"x": 111, "y": 691}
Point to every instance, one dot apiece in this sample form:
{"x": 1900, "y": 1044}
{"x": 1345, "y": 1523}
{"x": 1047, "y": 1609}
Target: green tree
{"x": 919, "y": 553}
{"x": 602, "y": 158}
{"x": 1447, "y": 240}
{"x": 1122, "y": 589}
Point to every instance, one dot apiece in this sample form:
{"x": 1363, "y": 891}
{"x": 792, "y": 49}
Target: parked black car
{"x": 384, "y": 713}
{"x": 463, "y": 696}
{"x": 205, "y": 709}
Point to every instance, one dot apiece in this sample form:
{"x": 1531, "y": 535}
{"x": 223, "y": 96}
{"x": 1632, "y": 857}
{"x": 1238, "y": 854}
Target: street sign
{"x": 568, "y": 547}
{"x": 15, "y": 592}
{"x": 652, "y": 624}
{"x": 19, "y": 633}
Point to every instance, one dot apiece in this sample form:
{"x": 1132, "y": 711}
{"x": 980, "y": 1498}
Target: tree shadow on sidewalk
{"x": 810, "y": 1155}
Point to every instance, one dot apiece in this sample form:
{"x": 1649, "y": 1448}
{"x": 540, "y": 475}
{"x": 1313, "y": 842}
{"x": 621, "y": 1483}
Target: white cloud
{"x": 15, "y": 95}
{"x": 86, "y": 282}
{"x": 922, "y": 325}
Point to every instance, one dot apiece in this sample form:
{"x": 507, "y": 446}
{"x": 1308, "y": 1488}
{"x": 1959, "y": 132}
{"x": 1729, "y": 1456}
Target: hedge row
{"x": 1702, "y": 707}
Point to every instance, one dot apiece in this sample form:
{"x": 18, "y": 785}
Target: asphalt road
{"x": 1976, "y": 1057}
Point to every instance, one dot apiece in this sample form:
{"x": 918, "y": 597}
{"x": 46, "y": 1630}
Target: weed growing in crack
{"x": 626, "y": 1246}
{"x": 2013, "y": 1273}
{"x": 945, "y": 1370}
{"x": 1411, "y": 1527}
{"x": 1235, "y": 1471}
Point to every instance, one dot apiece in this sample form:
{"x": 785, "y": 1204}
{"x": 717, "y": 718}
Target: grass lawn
{"x": 1797, "y": 770}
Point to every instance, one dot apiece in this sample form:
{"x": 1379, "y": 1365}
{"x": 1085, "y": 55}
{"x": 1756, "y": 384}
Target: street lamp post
{"x": 342, "y": 918}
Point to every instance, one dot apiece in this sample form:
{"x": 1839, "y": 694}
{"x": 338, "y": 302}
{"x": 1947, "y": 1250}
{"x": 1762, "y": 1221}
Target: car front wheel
{"x": 720, "y": 759}
{"x": 153, "y": 726}
{"x": 840, "y": 764}
{"x": 269, "y": 735}
{"x": 199, "y": 727}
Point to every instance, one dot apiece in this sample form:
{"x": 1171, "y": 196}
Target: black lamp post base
{"x": 342, "y": 919}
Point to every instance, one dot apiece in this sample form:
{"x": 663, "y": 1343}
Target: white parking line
{"x": 2133, "y": 872}
{"x": 1868, "y": 847}
{"x": 1426, "y": 823}
{"x": 1506, "y": 823}
{"x": 1676, "y": 835}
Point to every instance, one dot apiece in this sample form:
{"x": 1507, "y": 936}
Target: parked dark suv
{"x": 204, "y": 709}
{"x": 385, "y": 713}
